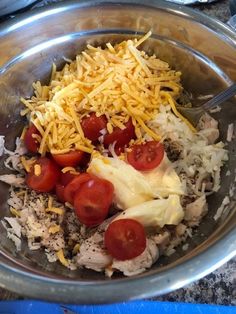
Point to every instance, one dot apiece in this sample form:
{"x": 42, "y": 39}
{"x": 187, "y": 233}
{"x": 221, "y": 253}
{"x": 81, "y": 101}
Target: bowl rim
{"x": 147, "y": 284}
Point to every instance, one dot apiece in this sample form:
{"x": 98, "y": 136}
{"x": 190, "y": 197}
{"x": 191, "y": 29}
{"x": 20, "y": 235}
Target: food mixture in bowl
{"x": 109, "y": 175}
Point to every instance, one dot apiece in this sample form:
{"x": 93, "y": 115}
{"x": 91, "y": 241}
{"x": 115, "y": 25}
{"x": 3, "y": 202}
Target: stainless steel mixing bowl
{"x": 7, "y": 7}
{"x": 202, "y": 48}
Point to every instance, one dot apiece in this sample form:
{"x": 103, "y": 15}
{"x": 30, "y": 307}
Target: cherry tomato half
{"x": 92, "y": 126}
{"x": 64, "y": 179}
{"x": 92, "y": 201}
{"x": 59, "y": 189}
{"x": 125, "y": 239}
{"x": 67, "y": 177}
{"x": 70, "y": 159}
{"x": 31, "y": 143}
{"x": 85, "y": 160}
{"x": 121, "y": 137}
{"x": 146, "y": 156}
{"x": 47, "y": 177}
{"x": 119, "y": 150}
{"x": 74, "y": 185}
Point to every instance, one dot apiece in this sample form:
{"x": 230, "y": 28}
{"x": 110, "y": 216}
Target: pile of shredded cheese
{"x": 120, "y": 82}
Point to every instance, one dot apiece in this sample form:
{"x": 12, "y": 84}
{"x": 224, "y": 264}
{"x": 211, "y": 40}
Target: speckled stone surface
{"x": 220, "y": 286}
{"x": 217, "y": 288}
{"x": 218, "y": 9}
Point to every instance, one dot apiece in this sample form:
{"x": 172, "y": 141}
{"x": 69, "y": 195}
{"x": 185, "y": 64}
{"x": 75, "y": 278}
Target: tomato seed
{"x": 150, "y": 158}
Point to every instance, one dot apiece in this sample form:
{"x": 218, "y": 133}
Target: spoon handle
{"x": 220, "y": 98}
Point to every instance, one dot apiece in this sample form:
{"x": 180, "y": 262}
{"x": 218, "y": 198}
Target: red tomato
{"x": 125, "y": 239}
{"x": 70, "y": 159}
{"x": 85, "y": 160}
{"x": 60, "y": 192}
{"x": 47, "y": 179}
{"x": 121, "y": 137}
{"x": 65, "y": 178}
{"x": 74, "y": 185}
{"x": 31, "y": 143}
{"x": 92, "y": 125}
{"x": 119, "y": 150}
{"x": 146, "y": 156}
{"x": 92, "y": 201}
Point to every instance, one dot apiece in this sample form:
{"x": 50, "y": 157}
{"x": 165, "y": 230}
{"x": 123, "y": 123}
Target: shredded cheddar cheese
{"x": 52, "y": 209}
{"x": 54, "y": 229}
{"x": 50, "y": 201}
{"x": 15, "y": 212}
{"x": 27, "y": 163}
{"x": 120, "y": 82}
{"x": 76, "y": 249}
{"x": 69, "y": 205}
{"x": 21, "y": 193}
{"x": 23, "y": 133}
{"x": 62, "y": 259}
{"x": 37, "y": 170}
{"x": 55, "y": 210}
{"x": 69, "y": 169}
{"x": 179, "y": 115}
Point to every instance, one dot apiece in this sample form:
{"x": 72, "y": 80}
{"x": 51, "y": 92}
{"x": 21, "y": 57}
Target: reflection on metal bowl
{"x": 7, "y": 7}
{"x": 202, "y": 48}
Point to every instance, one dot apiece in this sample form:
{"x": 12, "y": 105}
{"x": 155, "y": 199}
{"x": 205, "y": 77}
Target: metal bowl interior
{"x": 202, "y": 49}
{"x": 7, "y": 7}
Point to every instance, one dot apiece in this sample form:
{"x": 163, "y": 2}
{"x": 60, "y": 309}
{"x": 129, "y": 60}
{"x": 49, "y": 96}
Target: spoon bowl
{"x": 193, "y": 114}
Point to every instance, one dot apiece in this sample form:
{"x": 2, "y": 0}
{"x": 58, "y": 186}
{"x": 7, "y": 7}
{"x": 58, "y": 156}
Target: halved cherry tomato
{"x": 121, "y": 137}
{"x": 92, "y": 126}
{"x": 92, "y": 201}
{"x": 64, "y": 179}
{"x": 85, "y": 160}
{"x": 146, "y": 156}
{"x": 74, "y": 185}
{"x": 119, "y": 150}
{"x": 125, "y": 239}
{"x": 67, "y": 177}
{"x": 47, "y": 178}
{"x": 70, "y": 159}
{"x": 31, "y": 143}
{"x": 59, "y": 189}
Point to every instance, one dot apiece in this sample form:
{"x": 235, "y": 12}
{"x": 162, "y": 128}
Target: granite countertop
{"x": 220, "y": 286}
{"x": 218, "y": 9}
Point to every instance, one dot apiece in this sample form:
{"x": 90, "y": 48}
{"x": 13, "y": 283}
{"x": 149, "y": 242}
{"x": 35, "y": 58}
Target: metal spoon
{"x": 194, "y": 114}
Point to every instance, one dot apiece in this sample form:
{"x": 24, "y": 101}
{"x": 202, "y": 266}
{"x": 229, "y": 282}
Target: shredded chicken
{"x": 180, "y": 229}
{"x": 92, "y": 254}
{"x": 140, "y": 263}
{"x": 13, "y": 163}
{"x": 2, "y": 143}
{"x": 162, "y": 240}
{"x": 16, "y": 227}
{"x": 53, "y": 242}
{"x": 230, "y": 132}
{"x": 211, "y": 135}
{"x": 208, "y": 127}
{"x": 223, "y": 207}
{"x": 195, "y": 211}
{"x": 13, "y": 229}
{"x": 12, "y": 179}
{"x": 207, "y": 122}
{"x": 20, "y": 148}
